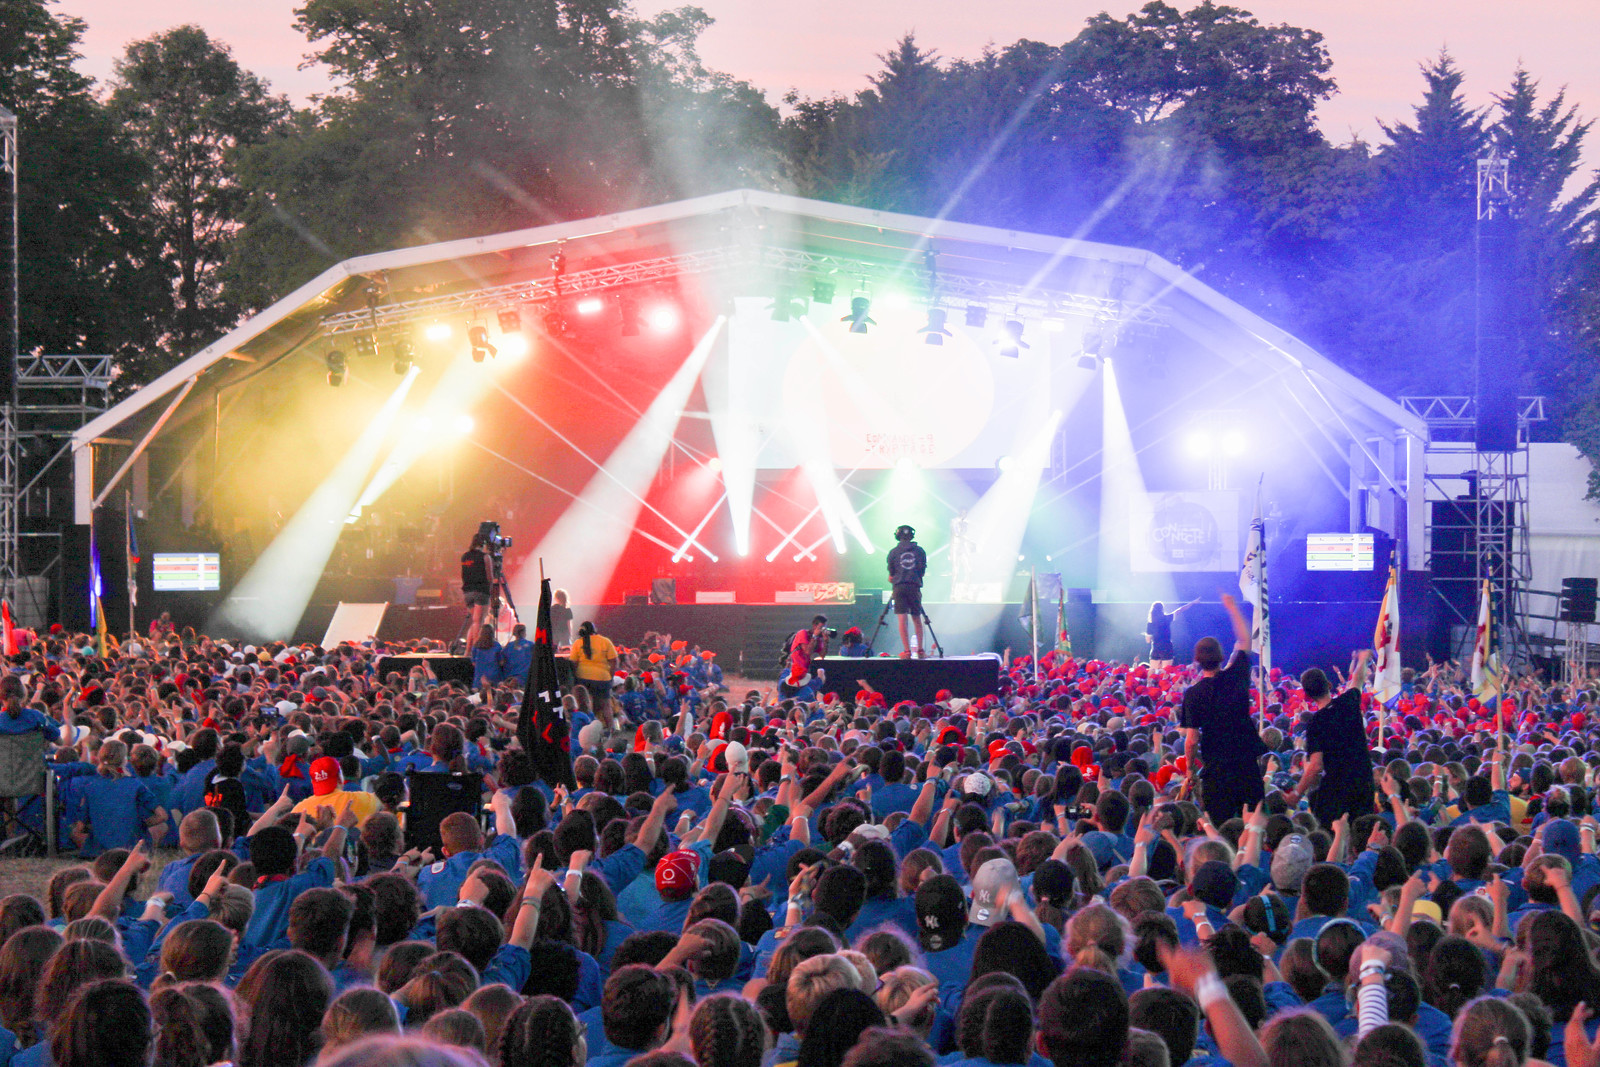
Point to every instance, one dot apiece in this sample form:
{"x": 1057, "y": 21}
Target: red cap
{"x": 325, "y": 776}
{"x": 676, "y": 874}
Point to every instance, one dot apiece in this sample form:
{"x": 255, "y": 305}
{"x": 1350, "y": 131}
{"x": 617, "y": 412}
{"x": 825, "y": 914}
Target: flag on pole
{"x": 133, "y": 555}
{"x": 1485, "y": 668}
{"x": 96, "y": 590}
{"x": 1063, "y": 636}
{"x": 8, "y": 634}
{"x": 542, "y": 729}
{"x": 1028, "y": 611}
{"x": 1253, "y": 587}
{"x": 101, "y": 641}
{"x": 1386, "y": 646}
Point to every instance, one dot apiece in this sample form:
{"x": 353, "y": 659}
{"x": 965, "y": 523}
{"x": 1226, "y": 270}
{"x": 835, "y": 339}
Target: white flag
{"x": 1386, "y": 645}
{"x": 1485, "y": 668}
{"x": 1253, "y": 587}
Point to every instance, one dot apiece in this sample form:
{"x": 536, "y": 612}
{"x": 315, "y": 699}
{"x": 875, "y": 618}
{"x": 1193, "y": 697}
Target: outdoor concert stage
{"x": 739, "y": 398}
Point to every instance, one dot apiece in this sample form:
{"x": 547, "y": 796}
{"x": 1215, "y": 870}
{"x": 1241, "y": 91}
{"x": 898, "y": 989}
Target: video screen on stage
{"x": 186, "y": 572}
{"x": 808, "y": 390}
{"x": 1339, "y": 552}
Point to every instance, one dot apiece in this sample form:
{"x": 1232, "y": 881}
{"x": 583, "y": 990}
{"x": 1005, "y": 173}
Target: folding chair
{"x": 24, "y": 779}
{"x": 432, "y": 796}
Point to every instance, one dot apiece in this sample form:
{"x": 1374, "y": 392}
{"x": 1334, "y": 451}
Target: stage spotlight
{"x": 510, "y": 320}
{"x": 513, "y": 347}
{"x": 859, "y": 319}
{"x": 591, "y": 305}
{"x": 555, "y": 323}
{"x": 935, "y": 330}
{"x": 627, "y": 315}
{"x": 336, "y": 367}
{"x": 478, "y": 340}
{"x": 404, "y": 354}
{"x": 663, "y": 318}
{"x": 1200, "y": 442}
{"x": 1012, "y": 344}
{"x": 462, "y": 425}
{"x": 1233, "y": 443}
{"x": 1005, "y": 463}
{"x": 786, "y": 306}
{"x": 1088, "y": 362}
{"x": 1049, "y": 559}
{"x": 366, "y": 345}
{"x": 822, "y": 292}
{"x": 905, "y": 464}
{"x": 977, "y": 316}
{"x": 714, "y": 465}
{"x": 437, "y": 331}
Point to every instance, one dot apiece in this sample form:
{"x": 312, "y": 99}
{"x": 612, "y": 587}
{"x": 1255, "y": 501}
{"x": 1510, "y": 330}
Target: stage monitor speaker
{"x": 1496, "y": 429}
{"x": 1578, "y": 596}
{"x": 456, "y": 669}
{"x": 430, "y": 797}
{"x": 663, "y": 590}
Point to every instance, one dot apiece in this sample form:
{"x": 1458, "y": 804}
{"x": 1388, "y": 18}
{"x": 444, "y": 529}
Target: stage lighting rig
{"x": 1012, "y": 344}
{"x": 822, "y": 291}
{"x": 935, "y": 331}
{"x": 510, "y": 320}
{"x": 405, "y": 354}
{"x": 366, "y": 345}
{"x": 860, "y": 314}
{"x": 336, "y": 367}
{"x": 786, "y": 305}
{"x": 977, "y": 316}
{"x": 478, "y": 341}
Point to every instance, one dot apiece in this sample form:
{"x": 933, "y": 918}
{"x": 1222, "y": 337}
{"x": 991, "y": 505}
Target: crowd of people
{"x": 1101, "y": 865}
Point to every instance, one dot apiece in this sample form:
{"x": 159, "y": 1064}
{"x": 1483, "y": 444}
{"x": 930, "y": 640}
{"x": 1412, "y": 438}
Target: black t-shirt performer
{"x": 1158, "y": 632}
{"x": 907, "y": 564}
{"x": 477, "y": 580}
{"x": 1216, "y": 721}
{"x": 1338, "y": 761}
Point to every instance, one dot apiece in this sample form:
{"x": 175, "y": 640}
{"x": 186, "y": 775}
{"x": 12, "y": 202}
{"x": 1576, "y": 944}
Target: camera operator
{"x": 907, "y": 564}
{"x": 477, "y": 579}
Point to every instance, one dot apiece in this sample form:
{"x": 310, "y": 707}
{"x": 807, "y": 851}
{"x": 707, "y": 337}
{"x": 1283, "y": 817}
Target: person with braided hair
{"x": 727, "y": 1031}
{"x": 543, "y": 1032}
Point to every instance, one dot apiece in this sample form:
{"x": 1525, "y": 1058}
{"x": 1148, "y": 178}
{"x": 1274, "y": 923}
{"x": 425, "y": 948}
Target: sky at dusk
{"x": 826, "y": 46}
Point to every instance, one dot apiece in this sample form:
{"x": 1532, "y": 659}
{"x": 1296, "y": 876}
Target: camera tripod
{"x": 926, "y": 622}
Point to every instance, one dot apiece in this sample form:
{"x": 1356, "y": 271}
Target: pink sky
{"x": 829, "y": 45}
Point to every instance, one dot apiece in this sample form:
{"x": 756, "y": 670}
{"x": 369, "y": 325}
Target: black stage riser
{"x": 913, "y": 679}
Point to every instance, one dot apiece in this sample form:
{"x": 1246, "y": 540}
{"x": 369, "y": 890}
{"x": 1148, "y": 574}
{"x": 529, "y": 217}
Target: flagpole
{"x": 127, "y": 554}
{"x": 1263, "y": 656}
{"x": 1033, "y": 597}
{"x": 1488, "y": 658}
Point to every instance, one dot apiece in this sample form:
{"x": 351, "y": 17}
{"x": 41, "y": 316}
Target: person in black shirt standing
{"x": 907, "y": 564}
{"x": 1217, "y": 726}
{"x": 1158, "y": 631}
{"x": 477, "y": 580}
{"x": 1338, "y": 761}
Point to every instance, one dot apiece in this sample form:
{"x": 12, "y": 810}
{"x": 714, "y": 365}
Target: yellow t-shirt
{"x": 595, "y": 667}
{"x": 365, "y": 804}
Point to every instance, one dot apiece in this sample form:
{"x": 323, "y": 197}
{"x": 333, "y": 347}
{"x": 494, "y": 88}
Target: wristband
{"x": 1372, "y": 967}
{"x": 1209, "y": 990}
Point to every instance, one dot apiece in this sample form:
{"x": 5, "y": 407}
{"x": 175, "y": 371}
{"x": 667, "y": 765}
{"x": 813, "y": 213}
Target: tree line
{"x": 162, "y": 207}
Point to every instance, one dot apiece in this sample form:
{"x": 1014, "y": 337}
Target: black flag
{"x": 542, "y": 728}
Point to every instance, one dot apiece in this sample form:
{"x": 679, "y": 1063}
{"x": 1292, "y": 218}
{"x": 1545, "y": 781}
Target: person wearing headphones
{"x": 907, "y": 564}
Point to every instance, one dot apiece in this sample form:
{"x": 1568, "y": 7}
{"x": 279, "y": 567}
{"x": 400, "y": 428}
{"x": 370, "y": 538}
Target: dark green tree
{"x": 188, "y": 106}
{"x": 88, "y": 282}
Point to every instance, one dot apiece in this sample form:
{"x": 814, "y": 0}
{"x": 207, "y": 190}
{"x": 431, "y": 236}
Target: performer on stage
{"x": 1338, "y": 761}
{"x": 960, "y": 549}
{"x": 907, "y": 564}
{"x": 806, "y": 645}
{"x": 1158, "y": 633}
{"x": 1217, "y": 726}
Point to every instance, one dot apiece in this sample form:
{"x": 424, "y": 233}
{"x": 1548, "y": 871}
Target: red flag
{"x": 7, "y": 631}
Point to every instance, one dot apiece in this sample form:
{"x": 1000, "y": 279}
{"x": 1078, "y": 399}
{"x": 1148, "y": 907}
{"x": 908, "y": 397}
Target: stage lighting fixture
{"x": 1012, "y": 344}
{"x": 462, "y": 425}
{"x": 936, "y": 330}
{"x": 714, "y": 464}
{"x": 786, "y": 306}
{"x": 1200, "y": 442}
{"x": 555, "y": 323}
{"x": 905, "y": 463}
{"x": 478, "y": 340}
{"x": 336, "y": 367}
{"x": 591, "y": 305}
{"x": 663, "y": 318}
{"x": 514, "y": 346}
{"x": 437, "y": 331}
{"x": 977, "y": 316}
{"x": 510, "y": 320}
{"x": 404, "y": 354}
{"x": 1088, "y": 362}
{"x": 1005, "y": 463}
{"x": 1233, "y": 443}
{"x": 859, "y": 317}
{"x": 366, "y": 345}
{"x": 627, "y": 315}
{"x": 822, "y": 292}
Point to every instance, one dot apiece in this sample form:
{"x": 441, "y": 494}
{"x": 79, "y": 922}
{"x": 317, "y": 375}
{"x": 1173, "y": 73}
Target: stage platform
{"x": 913, "y": 679}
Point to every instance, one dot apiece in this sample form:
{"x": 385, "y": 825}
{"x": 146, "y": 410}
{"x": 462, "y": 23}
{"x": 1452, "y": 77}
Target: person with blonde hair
{"x": 895, "y": 992}
{"x": 358, "y": 1013}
